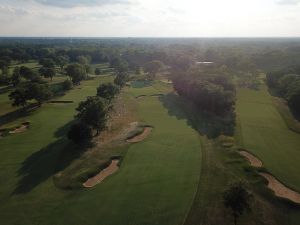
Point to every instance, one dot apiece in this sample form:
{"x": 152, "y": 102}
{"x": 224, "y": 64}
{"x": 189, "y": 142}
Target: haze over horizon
{"x": 150, "y": 18}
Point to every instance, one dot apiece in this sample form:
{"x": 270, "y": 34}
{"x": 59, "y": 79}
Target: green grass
{"x": 5, "y": 104}
{"x": 145, "y": 88}
{"x": 263, "y": 131}
{"x": 156, "y": 183}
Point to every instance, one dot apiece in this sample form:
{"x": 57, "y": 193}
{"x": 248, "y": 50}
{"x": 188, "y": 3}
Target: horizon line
{"x": 153, "y": 37}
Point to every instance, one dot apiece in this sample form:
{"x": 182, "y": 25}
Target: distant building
{"x": 204, "y": 63}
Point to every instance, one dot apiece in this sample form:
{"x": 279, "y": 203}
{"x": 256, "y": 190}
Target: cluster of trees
{"x": 28, "y": 91}
{"x": 76, "y": 72}
{"x": 28, "y": 86}
{"x": 287, "y": 85}
{"x": 92, "y": 114}
{"x": 210, "y": 92}
{"x": 48, "y": 68}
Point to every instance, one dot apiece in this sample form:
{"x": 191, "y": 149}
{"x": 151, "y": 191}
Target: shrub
{"x": 98, "y": 71}
{"x": 67, "y": 85}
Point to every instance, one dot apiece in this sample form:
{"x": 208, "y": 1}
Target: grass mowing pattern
{"x": 264, "y": 132}
{"x": 155, "y": 184}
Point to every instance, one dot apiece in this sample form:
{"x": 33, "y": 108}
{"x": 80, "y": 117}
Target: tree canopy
{"x": 152, "y": 68}
{"x": 93, "y": 111}
{"x": 76, "y": 72}
{"x": 107, "y": 91}
{"x": 237, "y": 198}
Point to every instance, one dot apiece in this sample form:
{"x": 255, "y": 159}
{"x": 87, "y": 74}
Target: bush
{"x": 67, "y": 85}
{"x": 98, "y": 71}
{"x": 80, "y": 133}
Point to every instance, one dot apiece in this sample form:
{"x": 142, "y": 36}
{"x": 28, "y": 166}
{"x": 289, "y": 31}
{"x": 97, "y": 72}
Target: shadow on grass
{"x": 141, "y": 83}
{"x": 12, "y": 116}
{"x": 205, "y": 123}
{"x": 46, "y": 162}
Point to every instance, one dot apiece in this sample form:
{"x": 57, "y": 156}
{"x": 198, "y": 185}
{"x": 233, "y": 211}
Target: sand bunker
{"x": 140, "y": 137}
{"x": 112, "y": 168}
{"x": 20, "y": 129}
{"x": 280, "y": 190}
{"x": 255, "y": 162}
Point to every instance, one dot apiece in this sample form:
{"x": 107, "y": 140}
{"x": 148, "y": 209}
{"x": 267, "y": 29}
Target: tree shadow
{"x": 62, "y": 131}
{"x": 12, "y": 116}
{"x": 46, "y": 162}
{"x": 205, "y": 123}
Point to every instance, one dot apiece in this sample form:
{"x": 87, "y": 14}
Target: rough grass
{"x": 264, "y": 132}
{"x": 221, "y": 167}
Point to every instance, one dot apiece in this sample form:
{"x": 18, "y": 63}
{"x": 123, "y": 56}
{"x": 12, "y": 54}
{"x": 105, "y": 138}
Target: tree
{"x": 4, "y": 63}
{"x": 47, "y": 72}
{"x": 211, "y": 93}
{"x": 67, "y": 85}
{"x": 293, "y": 96}
{"x": 107, "y": 91}
{"x": 27, "y": 73}
{"x": 83, "y": 59}
{"x": 48, "y": 63}
{"x": 237, "y": 198}
{"x": 120, "y": 65}
{"x": 286, "y": 81}
{"x": 121, "y": 79}
{"x": 87, "y": 68}
{"x": 61, "y": 61}
{"x": 30, "y": 91}
{"x": 80, "y": 133}
{"x": 98, "y": 71}
{"x": 39, "y": 92}
{"x": 76, "y": 72}
{"x": 152, "y": 68}
{"x": 93, "y": 112}
{"x": 4, "y": 78}
{"x": 19, "y": 96}
{"x": 16, "y": 77}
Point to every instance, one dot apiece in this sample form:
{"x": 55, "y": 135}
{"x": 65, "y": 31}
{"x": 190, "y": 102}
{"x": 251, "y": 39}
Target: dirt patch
{"x": 21, "y": 129}
{"x": 112, "y": 168}
{"x": 166, "y": 81}
{"x": 140, "y": 96}
{"x": 140, "y": 137}
{"x": 255, "y": 162}
{"x": 280, "y": 190}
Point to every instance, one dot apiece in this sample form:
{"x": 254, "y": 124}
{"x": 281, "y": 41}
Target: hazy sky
{"x": 150, "y": 18}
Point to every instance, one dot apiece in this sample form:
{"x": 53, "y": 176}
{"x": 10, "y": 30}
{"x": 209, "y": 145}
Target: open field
{"x": 263, "y": 131}
{"x": 161, "y": 172}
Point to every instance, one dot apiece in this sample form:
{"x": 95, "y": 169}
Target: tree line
{"x": 209, "y": 91}
{"x": 287, "y": 85}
